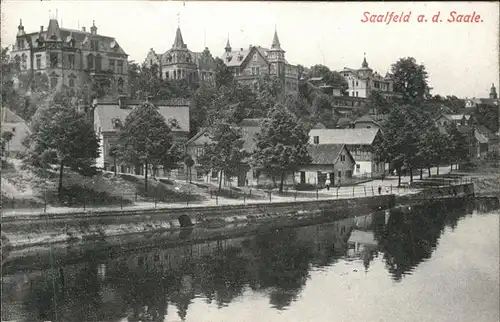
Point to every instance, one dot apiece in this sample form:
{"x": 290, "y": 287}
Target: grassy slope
{"x": 29, "y": 189}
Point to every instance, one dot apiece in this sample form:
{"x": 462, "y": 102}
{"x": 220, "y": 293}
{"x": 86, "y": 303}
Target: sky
{"x": 461, "y": 58}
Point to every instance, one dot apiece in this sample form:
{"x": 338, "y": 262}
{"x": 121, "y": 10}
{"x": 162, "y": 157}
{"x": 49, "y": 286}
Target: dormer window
{"x": 316, "y": 140}
{"x": 228, "y": 58}
{"x": 117, "y": 123}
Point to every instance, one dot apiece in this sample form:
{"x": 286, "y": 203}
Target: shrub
{"x": 305, "y": 187}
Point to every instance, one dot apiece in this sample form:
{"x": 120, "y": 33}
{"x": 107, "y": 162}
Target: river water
{"x": 434, "y": 262}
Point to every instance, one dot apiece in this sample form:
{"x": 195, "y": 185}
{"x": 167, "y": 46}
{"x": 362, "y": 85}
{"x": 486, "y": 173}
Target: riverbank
{"x": 80, "y": 228}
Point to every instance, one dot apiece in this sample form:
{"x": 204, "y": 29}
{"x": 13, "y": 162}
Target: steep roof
{"x": 480, "y": 137}
{"x": 108, "y": 113}
{"x": 325, "y": 153}
{"x": 276, "y": 42}
{"x": 240, "y": 56}
{"x": 10, "y": 117}
{"x": 456, "y": 117}
{"x": 363, "y": 136}
{"x": 178, "y": 41}
{"x": 484, "y": 130}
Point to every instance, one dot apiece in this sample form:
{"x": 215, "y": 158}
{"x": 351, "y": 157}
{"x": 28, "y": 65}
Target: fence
{"x": 188, "y": 199}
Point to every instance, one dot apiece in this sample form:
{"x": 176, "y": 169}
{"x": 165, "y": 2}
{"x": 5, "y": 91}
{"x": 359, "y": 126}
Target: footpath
{"x": 387, "y": 186}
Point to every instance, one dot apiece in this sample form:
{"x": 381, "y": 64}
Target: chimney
{"x": 241, "y": 49}
{"x": 83, "y": 29}
{"x": 41, "y": 28}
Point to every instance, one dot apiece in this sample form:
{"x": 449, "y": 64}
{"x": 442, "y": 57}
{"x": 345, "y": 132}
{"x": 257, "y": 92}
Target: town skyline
{"x": 318, "y": 41}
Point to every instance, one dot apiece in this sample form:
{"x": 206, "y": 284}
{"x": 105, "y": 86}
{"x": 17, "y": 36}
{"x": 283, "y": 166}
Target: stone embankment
{"x": 80, "y": 228}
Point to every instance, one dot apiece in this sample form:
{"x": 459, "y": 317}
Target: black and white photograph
{"x": 241, "y": 161}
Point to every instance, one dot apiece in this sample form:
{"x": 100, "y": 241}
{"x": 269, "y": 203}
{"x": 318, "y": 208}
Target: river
{"x": 432, "y": 262}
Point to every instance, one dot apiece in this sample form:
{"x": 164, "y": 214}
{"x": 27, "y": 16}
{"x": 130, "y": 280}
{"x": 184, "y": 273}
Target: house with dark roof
{"x": 360, "y": 142}
{"x": 370, "y": 121}
{"x": 329, "y": 161}
{"x": 250, "y": 63}
{"x": 72, "y": 57}
{"x": 444, "y": 120}
{"x": 179, "y": 62}
{"x": 11, "y": 122}
{"x": 110, "y": 115}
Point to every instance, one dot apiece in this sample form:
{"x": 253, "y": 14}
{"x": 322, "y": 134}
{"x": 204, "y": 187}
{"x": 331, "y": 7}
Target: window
{"x": 54, "y": 59}
{"x": 255, "y": 57}
{"x": 20, "y": 44}
{"x": 316, "y": 140}
{"x": 71, "y": 61}
{"x": 112, "y": 65}
{"x": 71, "y": 82}
{"x": 214, "y": 174}
{"x": 199, "y": 151}
{"x": 356, "y": 83}
{"x": 356, "y": 94}
{"x": 342, "y": 158}
{"x": 98, "y": 62}
{"x": 13, "y": 130}
{"x": 53, "y": 82}
{"x": 90, "y": 61}
{"x": 94, "y": 45}
{"x": 24, "y": 62}
{"x": 17, "y": 62}
{"x": 358, "y": 168}
{"x": 38, "y": 62}
{"x": 120, "y": 67}
{"x": 120, "y": 85}
{"x": 166, "y": 74}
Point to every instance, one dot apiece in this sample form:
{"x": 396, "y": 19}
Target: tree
{"x": 113, "y": 152}
{"x": 189, "y": 162}
{"x": 410, "y": 79}
{"x": 281, "y": 145}
{"x": 323, "y": 111}
{"x": 459, "y": 145}
{"x": 62, "y": 135}
{"x": 400, "y": 140}
{"x": 223, "y": 75}
{"x": 331, "y": 78}
{"x": 6, "y": 138}
{"x": 225, "y": 152}
{"x": 378, "y": 104}
{"x": 145, "y": 139}
{"x": 433, "y": 148}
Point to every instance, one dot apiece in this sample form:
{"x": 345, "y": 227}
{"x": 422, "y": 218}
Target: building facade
{"x": 364, "y": 80}
{"x": 72, "y": 58}
{"x": 360, "y": 143}
{"x": 181, "y": 63}
{"x": 110, "y": 115}
{"x": 248, "y": 64}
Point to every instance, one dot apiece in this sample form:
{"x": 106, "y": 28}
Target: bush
{"x": 167, "y": 181}
{"x": 79, "y": 196}
{"x": 305, "y": 187}
{"x": 130, "y": 177}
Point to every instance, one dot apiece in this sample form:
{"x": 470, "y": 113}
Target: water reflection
{"x": 147, "y": 286}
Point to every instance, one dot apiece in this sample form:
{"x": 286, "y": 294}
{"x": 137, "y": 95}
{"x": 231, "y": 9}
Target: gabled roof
{"x": 10, "y": 117}
{"x": 243, "y": 53}
{"x": 345, "y": 136}
{"x": 109, "y": 113}
{"x": 326, "y": 153}
{"x": 456, "y": 117}
{"x": 479, "y": 137}
{"x": 484, "y": 130}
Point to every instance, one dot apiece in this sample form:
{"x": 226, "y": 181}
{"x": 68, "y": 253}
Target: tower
{"x": 365, "y": 70}
{"x": 20, "y": 29}
{"x": 276, "y": 57}
{"x": 493, "y": 92}
{"x": 228, "y": 46}
{"x": 93, "y": 29}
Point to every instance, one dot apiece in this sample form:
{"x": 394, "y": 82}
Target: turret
{"x": 93, "y": 29}
{"x": 493, "y": 92}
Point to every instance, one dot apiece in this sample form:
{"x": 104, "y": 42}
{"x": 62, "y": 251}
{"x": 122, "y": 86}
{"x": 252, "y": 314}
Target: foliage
{"x": 61, "y": 135}
{"x": 410, "y": 79}
{"x": 330, "y": 77}
{"x": 487, "y": 116}
{"x": 433, "y": 147}
{"x": 223, "y": 75}
{"x": 145, "y": 139}
{"x": 322, "y": 111}
{"x": 281, "y": 145}
{"x": 225, "y": 152}
{"x": 458, "y": 145}
{"x": 378, "y": 104}
{"x": 401, "y": 138}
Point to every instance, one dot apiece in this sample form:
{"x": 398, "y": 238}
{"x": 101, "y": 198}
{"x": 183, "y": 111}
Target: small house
{"x": 329, "y": 161}
{"x": 14, "y": 124}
